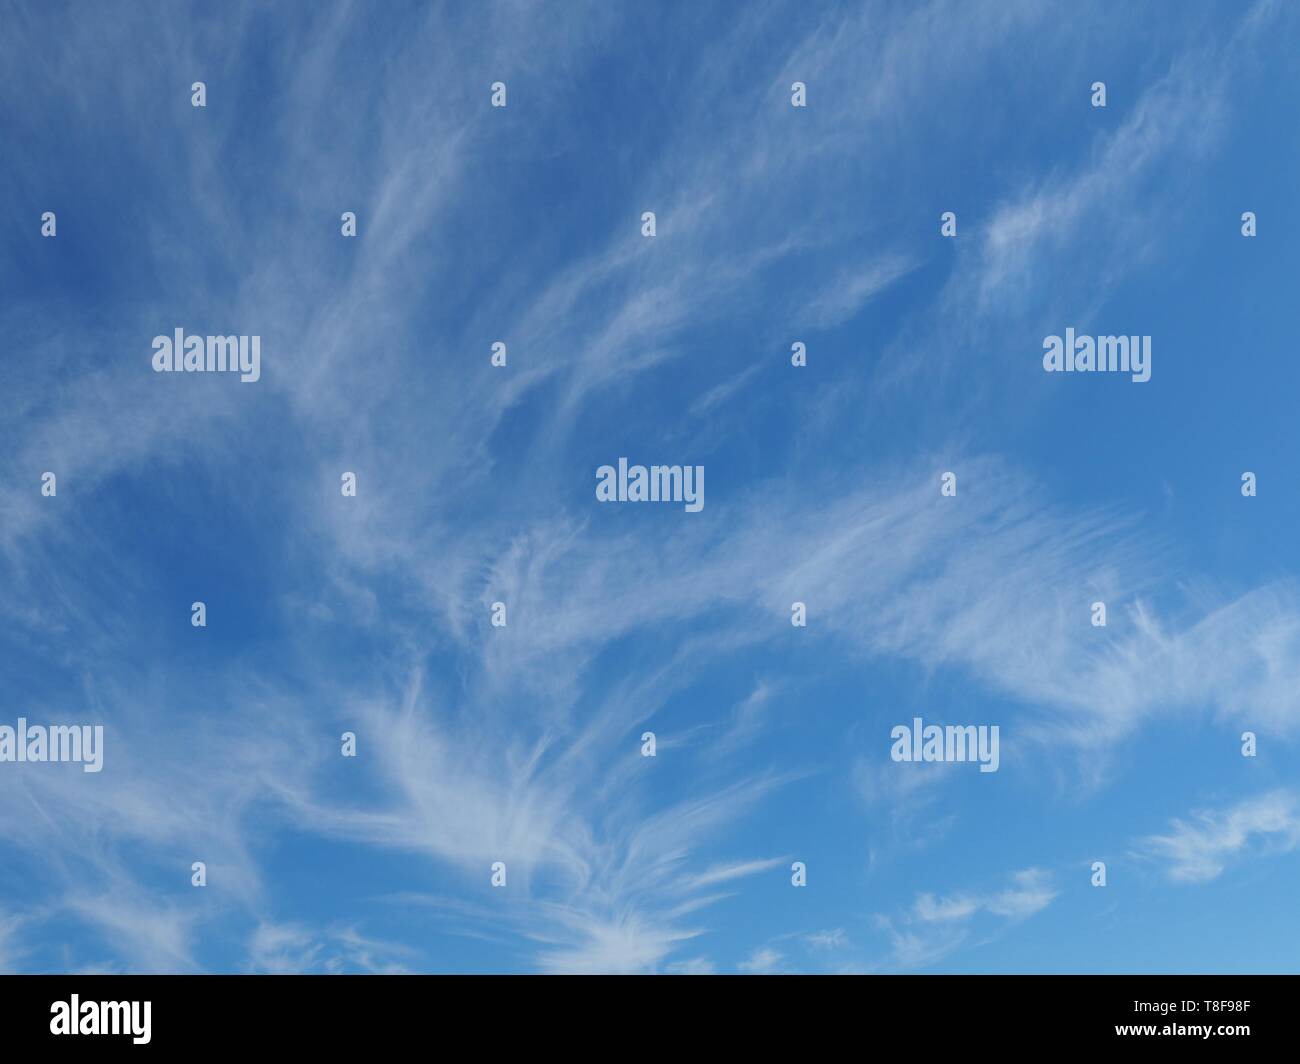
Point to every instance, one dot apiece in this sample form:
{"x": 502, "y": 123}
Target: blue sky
{"x": 521, "y": 744}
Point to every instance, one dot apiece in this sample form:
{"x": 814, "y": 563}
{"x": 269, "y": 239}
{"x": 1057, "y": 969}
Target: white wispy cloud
{"x": 694, "y": 966}
{"x": 1030, "y": 892}
{"x": 728, "y": 872}
{"x": 290, "y": 949}
{"x": 1201, "y": 848}
{"x": 833, "y": 939}
{"x": 843, "y": 297}
{"x": 936, "y": 926}
{"x": 153, "y": 934}
{"x": 763, "y": 961}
